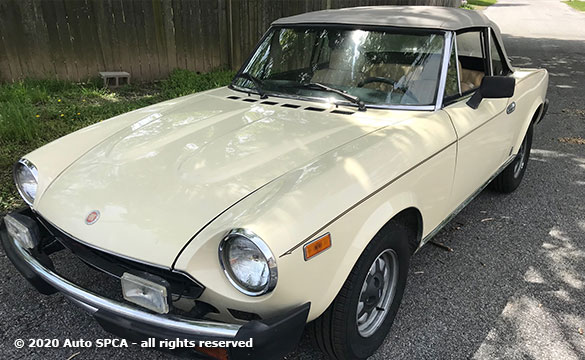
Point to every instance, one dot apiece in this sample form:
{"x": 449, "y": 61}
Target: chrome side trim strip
{"x": 465, "y": 203}
{"x": 90, "y": 301}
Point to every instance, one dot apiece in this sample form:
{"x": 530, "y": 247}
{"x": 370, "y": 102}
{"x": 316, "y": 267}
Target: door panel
{"x": 484, "y": 144}
{"x": 484, "y": 134}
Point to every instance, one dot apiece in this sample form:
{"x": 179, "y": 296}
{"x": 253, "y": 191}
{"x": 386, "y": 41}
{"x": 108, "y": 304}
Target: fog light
{"x": 151, "y": 294}
{"x": 22, "y": 229}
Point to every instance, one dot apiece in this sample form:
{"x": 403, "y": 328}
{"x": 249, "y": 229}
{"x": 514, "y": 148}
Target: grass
{"x": 478, "y": 4}
{"x": 576, "y": 4}
{"x": 35, "y": 112}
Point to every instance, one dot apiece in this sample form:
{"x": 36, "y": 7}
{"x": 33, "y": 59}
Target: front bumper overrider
{"x": 272, "y": 338}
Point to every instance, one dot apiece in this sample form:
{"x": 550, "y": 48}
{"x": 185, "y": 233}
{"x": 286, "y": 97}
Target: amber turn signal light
{"x": 317, "y": 246}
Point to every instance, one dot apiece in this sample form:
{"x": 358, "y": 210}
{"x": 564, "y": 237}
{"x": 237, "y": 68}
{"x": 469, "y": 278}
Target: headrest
{"x": 343, "y": 59}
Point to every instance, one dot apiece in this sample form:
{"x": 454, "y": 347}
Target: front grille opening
{"x": 268, "y": 102}
{"x": 100, "y": 272}
{"x": 233, "y": 97}
{"x": 312, "y": 108}
{"x": 342, "y": 112}
{"x": 244, "y": 315}
{"x": 198, "y": 311}
{"x": 292, "y": 106}
{"x": 250, "y": 100}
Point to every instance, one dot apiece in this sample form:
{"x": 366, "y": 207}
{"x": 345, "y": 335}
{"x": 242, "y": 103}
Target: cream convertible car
{"x": 295, "y": 195}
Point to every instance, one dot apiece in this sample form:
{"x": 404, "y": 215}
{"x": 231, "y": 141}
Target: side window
{"x": 498, "y": 66}
{"x": 471, "y": 59}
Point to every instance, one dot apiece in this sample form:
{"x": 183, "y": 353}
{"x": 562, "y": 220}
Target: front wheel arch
{"x": 334, "y": 332}
{"x": 412, "y": 218}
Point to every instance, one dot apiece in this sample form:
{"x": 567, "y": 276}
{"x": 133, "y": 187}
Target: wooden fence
{"x": 75, "y": 39}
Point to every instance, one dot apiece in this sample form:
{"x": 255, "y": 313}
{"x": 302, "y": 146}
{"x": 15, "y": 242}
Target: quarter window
{"x": 498, "y": 67}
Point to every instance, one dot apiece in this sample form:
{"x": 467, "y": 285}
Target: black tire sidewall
{"x": 508, "y": 181}
{"x": 527, "y": 148}
{"x": 396, "y": 239}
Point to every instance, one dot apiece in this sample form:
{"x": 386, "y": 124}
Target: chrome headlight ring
{"x": 26, "y": 178}
{"x": 259, "y": 258}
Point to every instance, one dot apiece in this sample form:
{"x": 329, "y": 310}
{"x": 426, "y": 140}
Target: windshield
{"x": 377, "y": 67}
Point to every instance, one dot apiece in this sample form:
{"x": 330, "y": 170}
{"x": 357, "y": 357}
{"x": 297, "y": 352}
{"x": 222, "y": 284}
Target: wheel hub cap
{"x": 377, "y": 293}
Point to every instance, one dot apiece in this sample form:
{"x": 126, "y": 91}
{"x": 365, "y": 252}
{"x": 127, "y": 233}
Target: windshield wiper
{"x": 354, "y": 99}
{"x": 257, "y": 83}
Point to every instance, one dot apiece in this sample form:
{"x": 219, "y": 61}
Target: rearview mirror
{"x": 493, "y": 87}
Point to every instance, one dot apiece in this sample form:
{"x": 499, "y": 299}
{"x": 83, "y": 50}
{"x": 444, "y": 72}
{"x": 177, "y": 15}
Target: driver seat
{"x": 470, "y": 79}
{"x": 341, "y": 71}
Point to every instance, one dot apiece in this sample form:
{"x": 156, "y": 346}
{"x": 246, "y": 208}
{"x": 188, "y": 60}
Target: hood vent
{"x": 342, "y": 112}
{"x": 292, "y": 106}
{"x": 312, "y": 108}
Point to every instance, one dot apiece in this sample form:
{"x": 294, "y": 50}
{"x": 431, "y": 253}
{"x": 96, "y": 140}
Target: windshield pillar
{"x": 444, "y": 68}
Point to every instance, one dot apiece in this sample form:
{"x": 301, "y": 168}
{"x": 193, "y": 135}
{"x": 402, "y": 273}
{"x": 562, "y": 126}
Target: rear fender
{"x": 529, "y": 96}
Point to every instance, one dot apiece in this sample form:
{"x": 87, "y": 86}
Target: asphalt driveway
{"x": 514, "y": 285}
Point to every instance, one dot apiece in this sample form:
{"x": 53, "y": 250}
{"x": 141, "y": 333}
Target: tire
{"x": 511, "y": 177}
{"x": 336, "y": 332}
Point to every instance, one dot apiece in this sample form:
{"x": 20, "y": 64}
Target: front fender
{"x": 351, "y": 192}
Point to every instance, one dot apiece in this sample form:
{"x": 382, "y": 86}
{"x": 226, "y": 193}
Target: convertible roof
{"x": 432, "y": 17}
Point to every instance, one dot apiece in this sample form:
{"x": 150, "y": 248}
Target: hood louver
{"x": 291, "y": 106}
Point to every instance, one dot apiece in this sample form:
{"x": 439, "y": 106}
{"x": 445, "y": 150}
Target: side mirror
{"x": 493, "y": 87}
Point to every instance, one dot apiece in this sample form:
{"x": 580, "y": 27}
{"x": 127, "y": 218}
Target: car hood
{"x": 162, "y": 178}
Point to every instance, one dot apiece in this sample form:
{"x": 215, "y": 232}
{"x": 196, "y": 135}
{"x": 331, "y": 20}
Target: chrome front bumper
{"x": 93, "y": 302}
{"x": 273, "y": 337}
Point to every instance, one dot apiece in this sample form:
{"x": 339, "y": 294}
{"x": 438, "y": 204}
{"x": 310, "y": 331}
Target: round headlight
{"x": 248, "y": 262}
{"x": 26, "y": 179}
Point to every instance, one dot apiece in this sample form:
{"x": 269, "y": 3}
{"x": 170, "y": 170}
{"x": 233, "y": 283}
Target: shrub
{"x": 184, "y": 82}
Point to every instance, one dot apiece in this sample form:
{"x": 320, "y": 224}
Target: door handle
{"x": 510, "y": 109}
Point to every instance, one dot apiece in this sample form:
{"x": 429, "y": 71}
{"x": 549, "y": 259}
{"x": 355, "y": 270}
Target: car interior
{"x": 384, "y": 72}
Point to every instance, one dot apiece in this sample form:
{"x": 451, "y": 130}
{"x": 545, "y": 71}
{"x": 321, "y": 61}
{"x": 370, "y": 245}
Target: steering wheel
{"x": 378, "y": 79}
